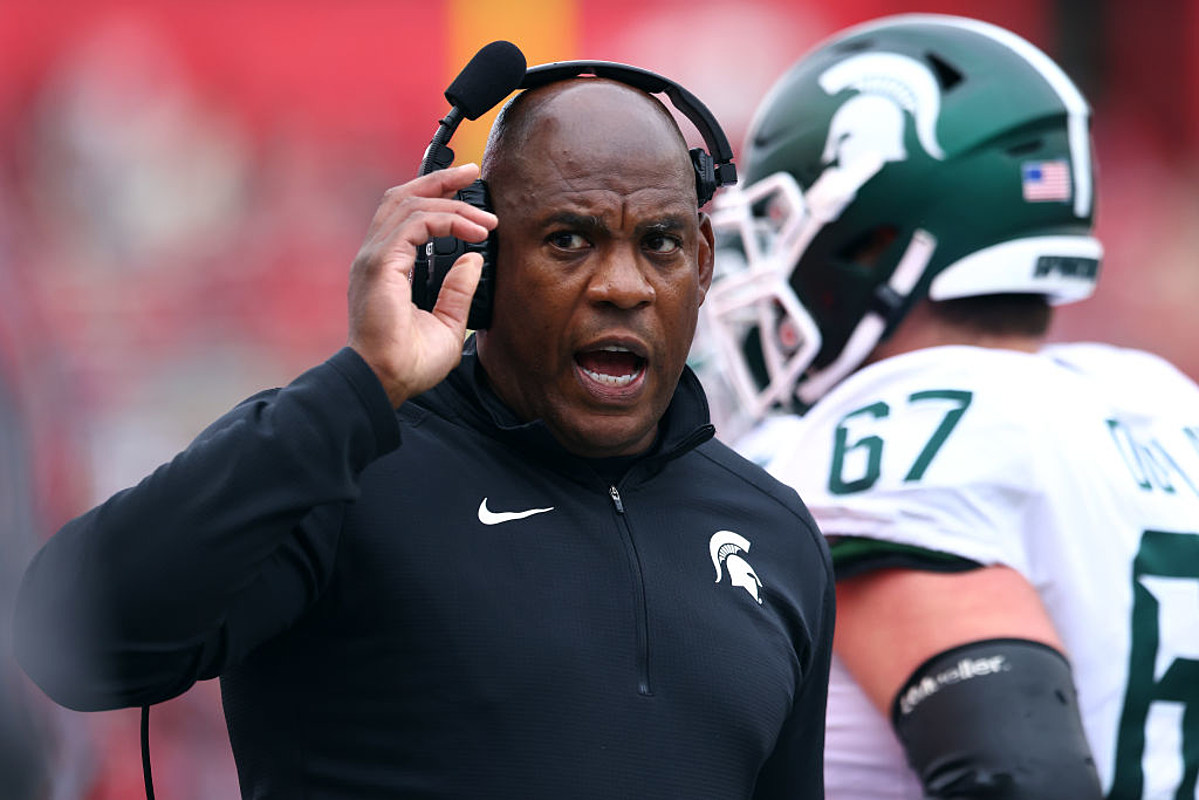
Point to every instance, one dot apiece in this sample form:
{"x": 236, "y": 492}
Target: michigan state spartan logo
{"x": 728, "y": 551}
{"x": 871, "y": 123}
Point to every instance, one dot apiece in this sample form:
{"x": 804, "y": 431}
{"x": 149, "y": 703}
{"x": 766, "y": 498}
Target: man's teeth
{"x": 611, "y": 380}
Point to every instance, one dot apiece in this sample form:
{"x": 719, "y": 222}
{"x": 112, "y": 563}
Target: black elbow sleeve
{"x": 996, "y": 719}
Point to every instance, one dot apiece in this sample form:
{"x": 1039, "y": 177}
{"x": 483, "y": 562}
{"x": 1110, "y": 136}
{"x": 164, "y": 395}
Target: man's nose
{"x": 620, "y": 279}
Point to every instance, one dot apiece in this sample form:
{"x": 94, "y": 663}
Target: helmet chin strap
{"x": 870, "y": 329}
{"x": 824, "y": 202}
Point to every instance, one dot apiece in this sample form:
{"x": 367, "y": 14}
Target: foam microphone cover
{"x": 495, "y": 72}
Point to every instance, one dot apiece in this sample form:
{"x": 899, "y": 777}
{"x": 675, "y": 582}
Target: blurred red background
{"x": 184, "y": 184}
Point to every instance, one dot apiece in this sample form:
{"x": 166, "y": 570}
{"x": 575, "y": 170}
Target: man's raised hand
{"x": 409, "y": 349}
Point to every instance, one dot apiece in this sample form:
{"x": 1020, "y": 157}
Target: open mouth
{"x": 611, "y": 365}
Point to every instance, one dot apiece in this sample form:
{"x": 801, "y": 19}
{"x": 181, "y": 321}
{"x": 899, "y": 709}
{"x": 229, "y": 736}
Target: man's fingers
{"x": 423, "y": 226}
{"x": 442, "y": 183}
{"x": 418, "y": 219}
{"x": 461, "y": 220}
{"x": 396, "y": 236}
{"x": 424, "y": 207}
{"x": 394, "y": 212}
{"x": 453, "y": 301}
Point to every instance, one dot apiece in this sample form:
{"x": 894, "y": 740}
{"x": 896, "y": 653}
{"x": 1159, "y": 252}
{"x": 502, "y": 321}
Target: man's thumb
{"x": 453, "y": 301}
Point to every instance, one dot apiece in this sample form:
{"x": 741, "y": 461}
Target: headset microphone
{"x": 494, "y": 73}
{"x": 498, "y": 70}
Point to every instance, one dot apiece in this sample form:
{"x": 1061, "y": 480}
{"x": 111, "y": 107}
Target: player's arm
{"x": 971, "y": 672}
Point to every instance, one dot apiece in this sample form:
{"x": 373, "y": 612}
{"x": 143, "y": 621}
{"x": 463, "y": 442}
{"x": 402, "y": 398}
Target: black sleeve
{"x": 996, "y": 719}
{"x": 796, "y": 767}
{"x": 225, "y": 546}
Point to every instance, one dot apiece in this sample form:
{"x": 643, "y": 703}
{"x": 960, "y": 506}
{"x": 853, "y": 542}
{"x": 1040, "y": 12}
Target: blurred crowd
{"x": 157, "y": 262}
{"x": 162, "y": 255}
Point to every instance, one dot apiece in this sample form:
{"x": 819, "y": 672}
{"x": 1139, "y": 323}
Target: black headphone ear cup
{"x": 441, "y": 252}
{"x": 479, "y": 196}
{"x": 705, "y": 174}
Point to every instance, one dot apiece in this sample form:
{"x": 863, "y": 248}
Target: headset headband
{"x": 653, "y": 83}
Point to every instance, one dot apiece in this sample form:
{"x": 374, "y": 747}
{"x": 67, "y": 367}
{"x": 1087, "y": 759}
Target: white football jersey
{"x": 1078, "y": 467}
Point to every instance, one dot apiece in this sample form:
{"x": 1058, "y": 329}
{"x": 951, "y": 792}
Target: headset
{"x": 712, "y": 169}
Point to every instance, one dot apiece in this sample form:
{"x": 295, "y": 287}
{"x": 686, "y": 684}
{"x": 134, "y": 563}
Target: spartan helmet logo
{"x": 871, "y": 123}
{"x": 727, "y": 548}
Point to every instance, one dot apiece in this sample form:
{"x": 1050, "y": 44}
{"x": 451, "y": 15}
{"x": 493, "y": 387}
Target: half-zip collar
{"x": 684, "y": 426}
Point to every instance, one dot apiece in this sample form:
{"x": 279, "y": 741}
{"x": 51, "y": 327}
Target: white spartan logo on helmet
{"x": 871, "y": 123}
{"x": 727, "y": 548}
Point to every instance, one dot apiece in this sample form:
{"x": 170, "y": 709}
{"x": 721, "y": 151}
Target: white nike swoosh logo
{"x": 488, "y": 517}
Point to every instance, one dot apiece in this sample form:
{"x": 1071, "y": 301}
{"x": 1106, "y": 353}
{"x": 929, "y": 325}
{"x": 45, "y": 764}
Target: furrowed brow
{"x": 580, "y": 222}
{"x": 664, "y": 225}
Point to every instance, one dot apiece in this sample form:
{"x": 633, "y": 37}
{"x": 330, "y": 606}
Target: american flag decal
{"x": 1046, "y": 181}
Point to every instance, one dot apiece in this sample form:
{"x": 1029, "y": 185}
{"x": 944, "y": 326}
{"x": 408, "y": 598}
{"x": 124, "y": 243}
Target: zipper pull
{"x": 616, "y": 499}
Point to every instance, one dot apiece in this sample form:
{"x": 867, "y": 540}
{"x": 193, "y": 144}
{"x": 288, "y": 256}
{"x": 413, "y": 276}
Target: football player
{"x": 1015, "y": 525}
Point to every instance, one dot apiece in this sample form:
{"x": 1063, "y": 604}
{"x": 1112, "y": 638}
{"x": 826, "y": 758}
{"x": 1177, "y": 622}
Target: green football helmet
{"x": 914, "y": 156}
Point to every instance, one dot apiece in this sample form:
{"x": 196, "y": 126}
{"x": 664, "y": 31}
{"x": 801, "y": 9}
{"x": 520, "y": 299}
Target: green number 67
{"x": 869, "y": 448}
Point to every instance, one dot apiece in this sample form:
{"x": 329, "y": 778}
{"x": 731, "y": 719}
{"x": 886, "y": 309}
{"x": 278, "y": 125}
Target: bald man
{"x": 516, "y": 568}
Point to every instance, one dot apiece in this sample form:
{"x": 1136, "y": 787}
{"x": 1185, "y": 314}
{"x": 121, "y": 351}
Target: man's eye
{"x": 565, "y": 240}
{"x": 662, "y": 244}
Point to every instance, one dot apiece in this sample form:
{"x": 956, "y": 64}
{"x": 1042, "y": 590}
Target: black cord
{"x": 146, "y": 753}
{"x": 437, "y": 155}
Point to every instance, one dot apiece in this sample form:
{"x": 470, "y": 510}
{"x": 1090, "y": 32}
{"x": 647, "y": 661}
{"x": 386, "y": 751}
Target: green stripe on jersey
{"x": 856, "y": 555}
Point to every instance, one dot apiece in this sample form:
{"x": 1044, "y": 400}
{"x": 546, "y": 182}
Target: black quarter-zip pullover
{"x": 441, "y": 602}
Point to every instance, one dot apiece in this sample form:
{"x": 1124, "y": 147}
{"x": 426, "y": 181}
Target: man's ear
{"x": 707, "y": 250}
